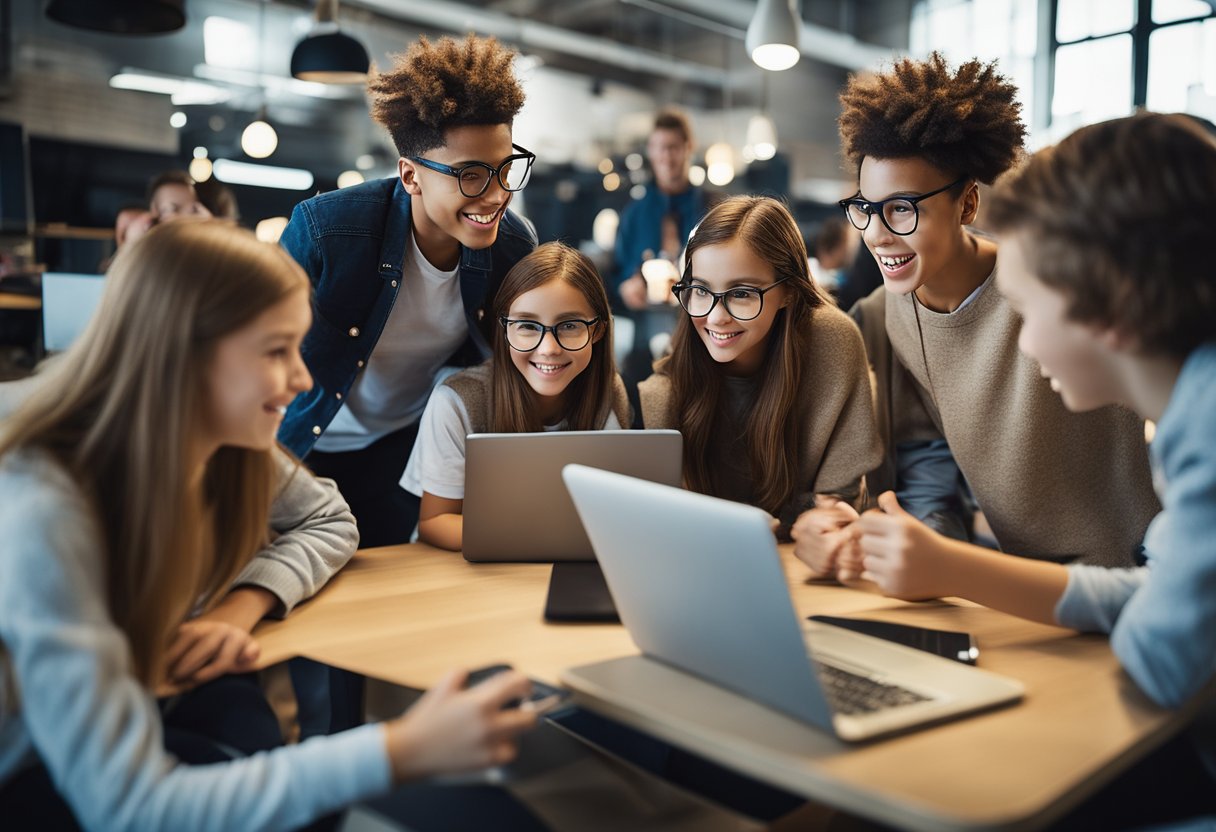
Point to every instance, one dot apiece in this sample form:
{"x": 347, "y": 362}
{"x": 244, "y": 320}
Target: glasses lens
{"x": 743, "y": 304}
{"x": 696, "y": 300}
{"x": 473, "y": 180}
{"x": 514, "y": 174}
{"x": 857, "y": 216}
{"x": 900, "y": 216}
{"x": 573, "y": 335}
{"x": 524, "y": 335}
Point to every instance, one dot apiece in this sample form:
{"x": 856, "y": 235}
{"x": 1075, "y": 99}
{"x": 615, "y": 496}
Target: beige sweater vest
{"x": 473, "y": 387}
{"x": 841, "y": 443}
{"x": 1052, "y": 484}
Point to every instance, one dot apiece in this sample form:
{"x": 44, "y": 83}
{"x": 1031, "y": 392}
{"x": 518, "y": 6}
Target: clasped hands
{"x": 886, "y": 545}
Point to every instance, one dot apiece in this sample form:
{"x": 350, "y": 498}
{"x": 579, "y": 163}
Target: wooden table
{"x": 407, "y": 614}
{"x": 15, "y": 300}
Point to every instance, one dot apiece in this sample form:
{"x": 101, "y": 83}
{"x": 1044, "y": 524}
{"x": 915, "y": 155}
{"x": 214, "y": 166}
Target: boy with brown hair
{"x": 1104, "y": 257}
{"x": 953, "y": 392}
{"x": 402, "y": 269}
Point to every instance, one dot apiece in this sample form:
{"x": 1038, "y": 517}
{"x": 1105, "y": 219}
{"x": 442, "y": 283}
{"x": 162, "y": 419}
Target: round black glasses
{"x": 742, "y": 302}
{"x": 571, "y": 334}
{"x": 899, "y": 214}
{"x": 475, "y": 177}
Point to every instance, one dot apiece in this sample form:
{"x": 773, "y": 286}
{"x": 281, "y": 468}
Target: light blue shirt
{"x": 69, "y": 699}
{"x": 1162, "y": 617}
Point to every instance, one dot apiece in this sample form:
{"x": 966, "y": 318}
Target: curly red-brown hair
{"x": 967, "y": 123}
{"x": 436, "y": 86}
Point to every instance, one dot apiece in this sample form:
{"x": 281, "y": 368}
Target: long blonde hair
{"x": 776, "y": 426}
{"x": 120, "y": 409}
{"x": 589, "y": 396}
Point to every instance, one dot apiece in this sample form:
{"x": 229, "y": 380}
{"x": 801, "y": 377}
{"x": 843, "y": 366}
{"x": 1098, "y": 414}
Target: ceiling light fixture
{"x": 772, "y": 36}
{"x": 259, "y": 139}
{"x": 120, "y": 17}
{"x": 328, "y": 56}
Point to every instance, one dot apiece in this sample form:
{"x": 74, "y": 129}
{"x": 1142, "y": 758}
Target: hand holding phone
{"x": 541, "y": 700}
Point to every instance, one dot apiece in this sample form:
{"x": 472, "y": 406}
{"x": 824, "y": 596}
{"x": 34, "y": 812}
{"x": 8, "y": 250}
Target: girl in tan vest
{"x": 767, "y": 379}
{"x": 551, "y": 368}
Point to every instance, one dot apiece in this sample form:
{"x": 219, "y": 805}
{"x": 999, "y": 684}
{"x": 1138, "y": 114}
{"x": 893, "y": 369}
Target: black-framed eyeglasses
{"x": 742, "y": 302}
{"x": 572, "y": 334}
{"x": 475, "y": 177}
{"x": 899, "y": 214}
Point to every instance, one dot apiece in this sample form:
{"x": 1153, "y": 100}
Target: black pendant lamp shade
{"x": 120, "y": 17}
{"x": 330, "y": 58}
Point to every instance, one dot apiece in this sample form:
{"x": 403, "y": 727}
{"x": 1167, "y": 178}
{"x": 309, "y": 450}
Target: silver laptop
{"x": 68, "y": 303}
{"x": 699, "y": 584}
{"x": 516, "y": 507}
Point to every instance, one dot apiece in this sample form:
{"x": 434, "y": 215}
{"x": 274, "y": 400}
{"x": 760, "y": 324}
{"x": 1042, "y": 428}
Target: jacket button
{"x": 353, "y": 332}
{"x": 338, "y": 396}
{"x": 359, "y": 363}
{"x": 394, "y": 284}
{"x": 316, "y": 430}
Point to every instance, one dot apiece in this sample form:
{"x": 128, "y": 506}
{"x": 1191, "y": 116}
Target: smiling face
{"x": 445, "y": 219}
{"x": 739, "y": 345}
{"x": 255, "y": 373}
{"x": 1075, "y": 356}
{"x": 908, "y": 262}
{"x": 550, "y": 368}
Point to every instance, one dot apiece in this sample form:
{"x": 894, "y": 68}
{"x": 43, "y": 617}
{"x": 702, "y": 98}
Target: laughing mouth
{"x": 548, "y": 369}
{"x": 722, "y": 337}
{"x": 484, "y": 219}
{"x": 895, "y": 262}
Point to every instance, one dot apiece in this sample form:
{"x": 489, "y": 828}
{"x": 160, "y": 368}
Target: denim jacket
{"x": 641, "y": 229}
{"x": 352, "y": 243}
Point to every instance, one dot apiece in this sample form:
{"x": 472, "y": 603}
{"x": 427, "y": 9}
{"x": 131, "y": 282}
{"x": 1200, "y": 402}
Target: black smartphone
{"x": 949, "y": 644}
{"x": 544, "y": 698}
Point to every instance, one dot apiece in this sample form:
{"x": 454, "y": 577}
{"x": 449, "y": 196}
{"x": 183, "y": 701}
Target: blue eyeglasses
{"x": 475, "y": 177}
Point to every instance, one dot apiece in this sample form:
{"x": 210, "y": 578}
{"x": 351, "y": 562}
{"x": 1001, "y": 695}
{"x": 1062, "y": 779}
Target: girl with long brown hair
{"x": 767, "y": 379}
{"x": 551, "y": 368}
{"x": 137, "y": 481}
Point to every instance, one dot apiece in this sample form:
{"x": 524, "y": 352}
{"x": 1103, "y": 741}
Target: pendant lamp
{"x": 120, "y": 17}
{"x": 328, "y": 56}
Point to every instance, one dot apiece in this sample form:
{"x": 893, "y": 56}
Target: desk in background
{"x": 407, "y": 614}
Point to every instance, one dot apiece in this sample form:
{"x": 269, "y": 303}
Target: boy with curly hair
{"x": 953, "y": 392}
{"x": 1104, "y": 257}
{"x": 402, "y": 269}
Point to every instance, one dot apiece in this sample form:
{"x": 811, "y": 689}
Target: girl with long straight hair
{"x": 551, "y": 368}
{"x": 767, "y": 380}
{"x": 137, "y": 481}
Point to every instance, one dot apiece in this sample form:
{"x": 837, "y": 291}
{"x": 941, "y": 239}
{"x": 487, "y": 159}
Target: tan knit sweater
{"x": 841, "y": 443}
{"x": 1052, "y": 483}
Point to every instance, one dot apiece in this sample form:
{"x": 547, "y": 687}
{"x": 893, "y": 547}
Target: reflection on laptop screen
{"x": 68, "y": 302}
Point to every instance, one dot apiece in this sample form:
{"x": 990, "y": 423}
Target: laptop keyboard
{"x": 850, "y": 693}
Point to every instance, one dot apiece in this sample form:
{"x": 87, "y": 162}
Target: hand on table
{"x": 903, "y": 556}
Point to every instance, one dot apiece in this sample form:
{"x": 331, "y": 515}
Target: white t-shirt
{"x": 437, "y": 462}
{"x": 426, "y": 325}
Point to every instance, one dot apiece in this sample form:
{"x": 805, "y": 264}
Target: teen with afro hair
{"x": 402, "y": 268}
{"x": 953, "y": 392}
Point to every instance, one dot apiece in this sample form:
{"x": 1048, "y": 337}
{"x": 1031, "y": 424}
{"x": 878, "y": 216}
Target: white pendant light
{"x": 259, "y": 139}
{"x": 762, "y": 136}
{"x": 772, "y": 36}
